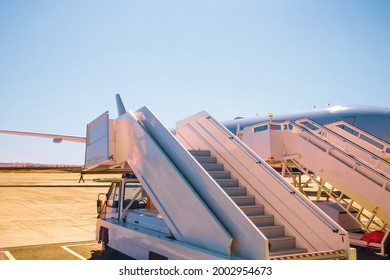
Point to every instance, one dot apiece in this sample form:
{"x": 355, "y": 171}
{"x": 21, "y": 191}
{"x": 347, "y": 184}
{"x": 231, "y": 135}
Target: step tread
{"x": 234, "y": 188}
{"x": 281, "y": 238}
{"x": 244, "y": 196}
{"x": 281, "y": 243}
{"x": 226, "y": 183}
{"x": 205, "y": 157}
{"x": 244, "y": 200}
{"x": 235, "y": 191}
{"x": 252, "y": 206}
{"x": 199, "y": 152}
{"x": 226, "y": 180}
{"x": 287, "y": 252}
{"x": 272, "y": 231}
{"x": 270, "y": 227}
{"x": 220, "y": 174}
{"x": 262, "y": 220}
{"x": 260, "y": 216}
{"x": 206, "y": 160}
{"x": 212, "y": 166}
{"x": 255, "y": 209}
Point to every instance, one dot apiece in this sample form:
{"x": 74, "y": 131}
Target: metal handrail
{"x": 310, "y": 137}
{"x": 243, "y": 147}
{"x": 329, "y": 131}
{"x": 334, "y": 148}
{"x": 290, "y": 124}
{"x": 365, "y": 133}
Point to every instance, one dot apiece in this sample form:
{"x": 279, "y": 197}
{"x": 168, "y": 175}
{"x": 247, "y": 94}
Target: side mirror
{"x": 99, "y": 205}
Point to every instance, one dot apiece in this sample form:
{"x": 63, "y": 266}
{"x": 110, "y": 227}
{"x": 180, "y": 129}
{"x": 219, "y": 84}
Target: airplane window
{"x": 287, "y": 126}
{"x": 260, "y": 128}
{"x": 276, "y": 127}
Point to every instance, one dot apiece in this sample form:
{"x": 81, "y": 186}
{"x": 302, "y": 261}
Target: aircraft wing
{"x": 56, "y": 138}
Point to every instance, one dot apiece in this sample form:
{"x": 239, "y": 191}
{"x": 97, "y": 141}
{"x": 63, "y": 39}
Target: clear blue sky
{"x": 62, "y": 62}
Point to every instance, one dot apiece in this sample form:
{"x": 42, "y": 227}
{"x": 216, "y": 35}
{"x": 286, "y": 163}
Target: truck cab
{"x": 124, "y": 208}
{"x": 124, "y": 196}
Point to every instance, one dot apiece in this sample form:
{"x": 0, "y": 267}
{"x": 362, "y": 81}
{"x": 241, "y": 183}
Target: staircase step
{"x": 227, "y": 183}
{"x": 292, "y": 251}
{"x": 263, "y": 220}
{"x": 220, "y": 174}
{"x": 272, "y": 231}
{"x": 200, "y": 153}
{"x": 206, "y": 160}
{"x": 281, "y": 243}
{"x": 235, "y": 191}
{"x": 213, "y": 166}
{"x": 252, "y": 210}
{"x": 244, "y": 200}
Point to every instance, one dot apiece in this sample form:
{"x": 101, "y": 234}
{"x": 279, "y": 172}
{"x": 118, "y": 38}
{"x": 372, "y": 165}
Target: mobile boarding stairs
{"x": 201, "y": 194}
{"x": 348, "y": 167}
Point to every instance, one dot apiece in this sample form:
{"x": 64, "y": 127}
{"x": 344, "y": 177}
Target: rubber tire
{"x": 387, "y": 248}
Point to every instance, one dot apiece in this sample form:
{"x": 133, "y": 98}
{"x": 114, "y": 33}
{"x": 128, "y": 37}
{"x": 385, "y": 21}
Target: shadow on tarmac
{"x": 108, "y": 254}
{"x": 368, "y": 254}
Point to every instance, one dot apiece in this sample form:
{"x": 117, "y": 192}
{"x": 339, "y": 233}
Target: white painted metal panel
{"x": 340, "y": 171}
{"x": 263, "y": 134}
{"x": 188, "y": 218}
{"x": 312, "y": 228}
{"x": 248, "y": 242}
{"x": 352, "y": 145}
{"x": 97, "y": 146}
{"x": 369, "y": 142}
{"x": 141, "y": 241}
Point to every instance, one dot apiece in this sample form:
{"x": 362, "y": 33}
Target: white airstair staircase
{"x": 218, "y": 199}
{"x": 279, "y": 243}
{"x": 352, "y": 176}
{"x": 353, "y": 141}
{"x": 362, "y": 138}
{"x": 288, "y": 220}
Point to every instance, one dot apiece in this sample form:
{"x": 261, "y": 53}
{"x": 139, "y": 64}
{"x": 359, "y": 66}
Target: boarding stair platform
{"x": 214, "y": 197}
{"x": 362, "y": 138}
{"x": 266, "y": 199}
{"x": 344, "y": 169}
{"x": 279, "y": 244}
{"x": 353, "y": 141}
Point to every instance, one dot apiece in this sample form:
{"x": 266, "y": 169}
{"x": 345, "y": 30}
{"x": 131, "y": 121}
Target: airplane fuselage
{"x": 372, "y": 119}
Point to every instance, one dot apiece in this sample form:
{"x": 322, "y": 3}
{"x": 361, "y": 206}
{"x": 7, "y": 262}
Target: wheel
{"x": 387, "y": 248}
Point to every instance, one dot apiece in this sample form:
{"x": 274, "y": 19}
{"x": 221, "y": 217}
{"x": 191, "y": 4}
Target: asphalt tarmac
{"x": 52, "y": 219}
{"x": 48, "y": 216}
